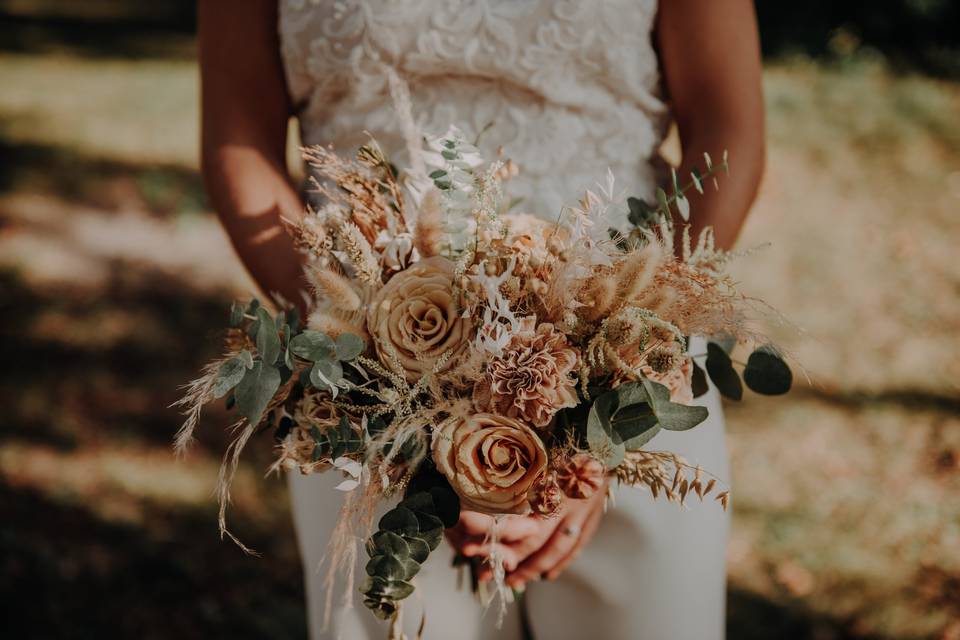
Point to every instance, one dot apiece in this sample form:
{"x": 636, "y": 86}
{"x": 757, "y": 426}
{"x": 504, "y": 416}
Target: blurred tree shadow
{"x": 117, "y": 29}
{"x": 69, "y": 574}
{"x": 754, "y": 617}
{"x": 910, "y": 34}
{"x": 120, "y": 386}
{"x": 85, "y": 179}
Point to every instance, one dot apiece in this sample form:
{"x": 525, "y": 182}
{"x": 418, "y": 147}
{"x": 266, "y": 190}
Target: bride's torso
{"x": 567, "y": 87}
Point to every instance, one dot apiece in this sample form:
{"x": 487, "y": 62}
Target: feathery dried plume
{"x": 638, "y": 270}
{"x": 428, "y": 232}
{"x": 360, "y": 254}
{"x": 334, "y": 289}
{"x": 325, "y": 321}
{"x": 198, "y": 393}
{"x": 228, "y": 470}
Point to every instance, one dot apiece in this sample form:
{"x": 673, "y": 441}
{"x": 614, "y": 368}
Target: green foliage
{"x": 699, "y": 384}
{"x": 256, "y": 390}
{"x": 767, "y": 373}
{"x": 721, "y": 371}
{"x": 268, "y": 341}
{"x": 325, "y": 374}
{"x": 312, "y": 346}
{"x": 406, "y": 535}
{"x": 626, "y": 418}
{"x": 336, "y": 441}
{"x": 229, "y": 375}
{"x": 671, "y": 415}
{"x": 645, "y": 215}
{"x": 349, "y": 346}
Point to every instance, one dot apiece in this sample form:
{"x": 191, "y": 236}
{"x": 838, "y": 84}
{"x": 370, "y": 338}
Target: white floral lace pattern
{"x": 567, "y": 87}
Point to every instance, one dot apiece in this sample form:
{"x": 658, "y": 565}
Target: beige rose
{"x": 491, "y": 461}
{"x": 415, "y": 313}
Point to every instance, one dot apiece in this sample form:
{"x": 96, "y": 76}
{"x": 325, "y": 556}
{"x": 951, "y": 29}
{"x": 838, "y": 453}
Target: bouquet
{"x": 459, "y": 355}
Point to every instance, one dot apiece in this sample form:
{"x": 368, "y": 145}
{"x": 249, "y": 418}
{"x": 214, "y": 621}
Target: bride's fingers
{"x": 589, "y": 528}
{"x": 511, "y": 530}
{"x": 564, "y": 540}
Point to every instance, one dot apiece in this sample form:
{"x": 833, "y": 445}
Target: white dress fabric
{"x": 568, "y": 88}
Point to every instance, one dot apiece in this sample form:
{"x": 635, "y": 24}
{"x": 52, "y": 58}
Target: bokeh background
{"x": 115, "y": 279}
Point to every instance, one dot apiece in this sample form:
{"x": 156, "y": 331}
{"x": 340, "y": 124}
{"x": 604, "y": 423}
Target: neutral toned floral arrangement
{"x": 459, "y": 355}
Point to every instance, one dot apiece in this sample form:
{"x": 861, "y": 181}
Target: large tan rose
{"x": 415, "y": 313}
{"x": 490, "y": 461}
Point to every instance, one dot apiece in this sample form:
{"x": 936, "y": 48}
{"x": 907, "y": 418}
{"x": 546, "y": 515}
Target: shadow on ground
{"x": 127, "y": 31}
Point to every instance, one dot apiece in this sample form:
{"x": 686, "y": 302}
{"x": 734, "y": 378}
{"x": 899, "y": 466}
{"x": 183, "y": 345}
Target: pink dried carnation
{"x": 533, "y": 378}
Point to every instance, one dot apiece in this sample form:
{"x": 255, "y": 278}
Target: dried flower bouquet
{"x": 458, "y": 355}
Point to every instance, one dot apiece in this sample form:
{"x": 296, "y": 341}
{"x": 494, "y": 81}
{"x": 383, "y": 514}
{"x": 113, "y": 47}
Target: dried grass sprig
{"x": 669, "y": 475}
{"x": 198, "y": 393}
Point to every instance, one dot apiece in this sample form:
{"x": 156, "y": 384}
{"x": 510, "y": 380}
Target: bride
{"x": 568, "y": 88}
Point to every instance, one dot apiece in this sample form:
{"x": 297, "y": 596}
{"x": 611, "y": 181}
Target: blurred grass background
{"x": 115, "y": 280}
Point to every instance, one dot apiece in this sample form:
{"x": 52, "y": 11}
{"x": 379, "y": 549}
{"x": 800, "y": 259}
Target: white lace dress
{"x": 568, "y": 88}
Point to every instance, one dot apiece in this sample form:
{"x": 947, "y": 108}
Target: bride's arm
{"x": 245, "y": 110}
{"x": 710, "y": 55}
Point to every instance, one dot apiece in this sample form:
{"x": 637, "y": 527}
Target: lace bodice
{"x": 567, "y": 87}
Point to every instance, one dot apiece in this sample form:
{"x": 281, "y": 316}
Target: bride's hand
{"x": 532, "y": 547}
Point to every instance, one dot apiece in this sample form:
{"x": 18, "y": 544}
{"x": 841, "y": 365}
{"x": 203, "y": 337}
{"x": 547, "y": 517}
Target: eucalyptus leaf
{"x": 256, "y": 390}
{"x": 419, "y": 501}
{"x": 633, "y": 421}
{"x": 401, "y": 521}
{"x": 637, "y": 442}
{"x": 767, "y": 373}
{"x": 419, "y": 549}
{"x": 313, "y": 346}
{"x": 325, "y": 374}
{"x": 387, "y": 567}
{"x": 699, "y": 384}
{"x": 683, "y": 206}
{"x": 268, "y": 342}
{"x": 247, "y": 358}
{"x": 662, "y": 202}
{"x": 411, "y": 567}
{"x": 671, "y": 415}
{"x": 601, "y": 437}
{"x": 431, "y": 529}
{"x": 228, "y": 376}
{"x": 722, "y": 373}
{"x": 349, "y": 346}
{"x": 236, "y": 315}
{"x": 388, "y": 543}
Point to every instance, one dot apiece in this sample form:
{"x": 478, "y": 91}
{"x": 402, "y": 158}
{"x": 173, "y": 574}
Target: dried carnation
{"x": 581, "y": 476}
{"x": 546, "y": 496}
{"x": 533, "y": 377}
